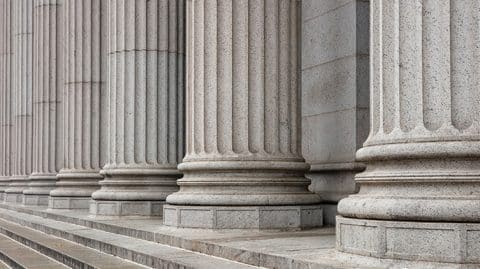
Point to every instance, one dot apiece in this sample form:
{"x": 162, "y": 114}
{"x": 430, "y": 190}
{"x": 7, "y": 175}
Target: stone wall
{"x": 335, "y": 72}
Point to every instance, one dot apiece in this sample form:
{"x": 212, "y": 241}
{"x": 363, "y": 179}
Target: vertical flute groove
{"x": 243, "y": 73}
{"x": 425, "y": 86}
{"x": 143, "y": 88}
{"x": 6, "y": 86}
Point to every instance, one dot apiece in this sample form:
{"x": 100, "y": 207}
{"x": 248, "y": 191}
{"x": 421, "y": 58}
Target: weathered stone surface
{"x": 6, "y": 92}
{"x": 82, "y": 247}
{"x": 243, "y": 127}
{"x": 243, "y": 217}
{"x": 22, "y": 132}
{"x": 20, "y": 256}
{"x": 127, "y": 208}
{"x": 85, "y": 104}
{"x": 47, "y": 100}
{"x": 438, "y": 241}
{"x": 424, "y": 143}
{"x": 146, "y": 59}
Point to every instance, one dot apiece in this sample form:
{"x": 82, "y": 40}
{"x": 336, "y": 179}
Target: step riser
{"x": 118, "y": 251}
{"x": 10, "y": 262}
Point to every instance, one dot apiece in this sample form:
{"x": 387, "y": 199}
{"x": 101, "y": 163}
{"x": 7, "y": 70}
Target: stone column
{"x": 146, "y": 108}
{"x": 85, "y": 104}
{"x": 47, "y": 96}
{"x": 6, "y": 85}
{"x": 243, "y": 167}
{"x": 22, "y": 110}
{"x": 419, "y": 197}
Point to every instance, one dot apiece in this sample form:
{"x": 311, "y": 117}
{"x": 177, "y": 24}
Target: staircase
{"x": 34, "y": 242}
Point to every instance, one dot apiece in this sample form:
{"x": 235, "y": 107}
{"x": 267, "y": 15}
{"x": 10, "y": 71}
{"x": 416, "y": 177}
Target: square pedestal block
{"x": 126, "y": 208}
{"x": 243, "y": 217}
{"x": 69, "y": 202}
{"x": 410, "y": 240}
{"x": 13, "y": 197}
{"x": 29, "y": 199}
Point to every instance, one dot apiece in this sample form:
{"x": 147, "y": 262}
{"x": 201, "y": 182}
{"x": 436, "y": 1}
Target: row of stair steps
{"x": 74, "y": 246}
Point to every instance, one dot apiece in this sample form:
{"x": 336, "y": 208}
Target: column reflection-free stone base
{"x": 410, "y": 240}
{"x": 69, "y": 202}
{"x": 243, "y": 217}
{"x": 35, "y": 199}
{"x": 13, "y": 197}
{"x": 126, "y": 208}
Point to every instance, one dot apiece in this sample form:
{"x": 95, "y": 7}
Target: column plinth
{"x": 146, "y": 107}
{"x": 48, "y": 84}
{"x": 243, "y": 167}
{"x": 422, "y": 181}
{"x": 85, "y": 105}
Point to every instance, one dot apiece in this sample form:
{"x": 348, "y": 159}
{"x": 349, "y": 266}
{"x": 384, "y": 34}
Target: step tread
{"x": 25, "y": 256}
{"x": 92, "y": 237}
{"x": 84, "y": 254}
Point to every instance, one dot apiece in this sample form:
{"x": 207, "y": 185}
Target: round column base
{"x": 11, "y": 197}
{"x": 126, "y": 208}
{"x": 58, "y": 202}
{"x": 243, "y": 217}
{"x": 35, "y": 199}
{"x": 410, "y": 240}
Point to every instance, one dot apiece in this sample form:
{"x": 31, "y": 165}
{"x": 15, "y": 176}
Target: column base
{"x": 13, "y": 197}
{"x": 243, "y": 217}
{"x": 57, "y": 202}
{"x": 35, "y": 199}
{"x": 334, "y": 182}
{"x": 126, "y": 208}
{"x": 410, "y": 240}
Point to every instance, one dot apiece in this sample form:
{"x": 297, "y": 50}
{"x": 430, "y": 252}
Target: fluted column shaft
{"x": 85, "y": 103}
{"x": 6, "y": 85}
{"x": 243, "y": 118}
{"x": 145, "y": 57}
{"x": 47, "y": 97}
{"x": 423, "y": 151}
{"x": 22, "y": 110}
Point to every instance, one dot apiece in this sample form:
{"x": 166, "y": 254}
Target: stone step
{"x": 50, "y": 237}
{"x": 275, "y": 254}
{"x": 68, "y": 253}
{"x": 19, "y": 256}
